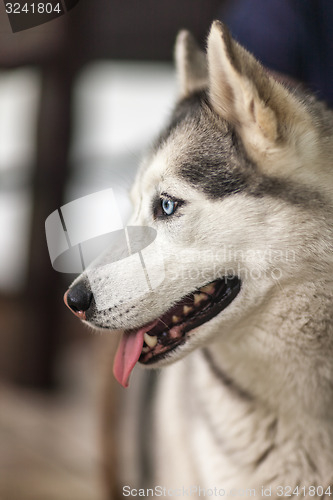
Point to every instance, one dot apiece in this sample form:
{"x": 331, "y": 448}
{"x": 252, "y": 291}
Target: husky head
{"x": 227, "y": 189}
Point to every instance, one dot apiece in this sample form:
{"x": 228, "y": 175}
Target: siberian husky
{"x": 239, "y": 191}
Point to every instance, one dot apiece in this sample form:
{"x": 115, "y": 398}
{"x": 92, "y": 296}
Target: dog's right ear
{"x": 191, "y": 64}
{"x": 240, "y": 90}
{"x": 275, "y": 126}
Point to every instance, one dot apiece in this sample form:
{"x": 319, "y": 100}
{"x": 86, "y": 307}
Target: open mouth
{"x": 157, "y": 339}
{"x": 189, "y": 313}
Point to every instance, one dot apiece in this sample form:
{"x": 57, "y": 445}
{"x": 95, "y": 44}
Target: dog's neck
{"x": 268, "y": 387}
{"x": 281, "y": 354}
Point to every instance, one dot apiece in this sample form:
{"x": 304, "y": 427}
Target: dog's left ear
{"x": 240, "y": 90}
{"x": 191, "y": 64}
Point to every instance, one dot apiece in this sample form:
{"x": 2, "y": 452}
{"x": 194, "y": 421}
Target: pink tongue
{"x": 128, "y": 353}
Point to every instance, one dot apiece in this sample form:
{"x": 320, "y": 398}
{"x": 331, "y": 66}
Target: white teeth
{"x": 145, "y": 349}
{"x": 199, "y": 297}
{"x": 175, "y": 319}
{"x": 208, "y": 288}
{"x": 150, "y": 341}
{"x": 187, "y": 309}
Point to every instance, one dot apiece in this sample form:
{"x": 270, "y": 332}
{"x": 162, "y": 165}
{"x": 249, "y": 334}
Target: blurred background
{"x": 81, "y": 97}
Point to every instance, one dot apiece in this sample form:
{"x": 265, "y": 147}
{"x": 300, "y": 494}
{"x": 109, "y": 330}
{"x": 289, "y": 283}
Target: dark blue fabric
{"x": 294, "y": 37}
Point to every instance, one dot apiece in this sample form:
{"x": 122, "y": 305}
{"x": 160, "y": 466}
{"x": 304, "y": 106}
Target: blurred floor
{"x": 49, "y": 444}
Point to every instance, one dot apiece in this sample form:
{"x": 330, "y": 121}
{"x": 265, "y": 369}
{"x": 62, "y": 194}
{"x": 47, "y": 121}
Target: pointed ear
{"x": 240, "y": 89}
{"x": 191, "y": 64}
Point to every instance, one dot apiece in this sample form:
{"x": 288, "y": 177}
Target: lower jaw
{"x": 174, "y": 337}
{"x": 148, "y": 361}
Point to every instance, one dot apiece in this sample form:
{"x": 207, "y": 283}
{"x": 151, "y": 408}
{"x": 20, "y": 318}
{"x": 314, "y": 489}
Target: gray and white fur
{"x": 247, "y": 400}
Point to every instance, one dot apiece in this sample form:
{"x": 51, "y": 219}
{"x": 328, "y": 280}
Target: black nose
{"x": 78, "y": 299}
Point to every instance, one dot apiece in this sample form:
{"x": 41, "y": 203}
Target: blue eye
{"x": 168, "y": 206}
{"x": 165, "y": 206}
